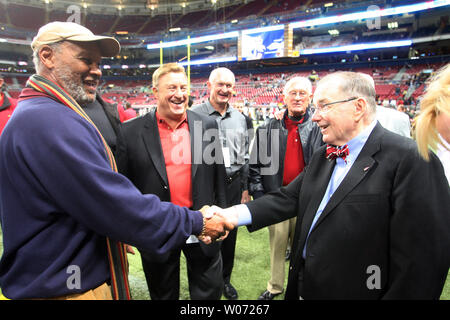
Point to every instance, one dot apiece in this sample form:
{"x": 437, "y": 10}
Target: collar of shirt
{"x": 211, "y": 109}
{"x": 291, "y": 123}
{"x": 340, "y": 171}
{"x": 163, "y": 121}
{"x": 356, "y": 144}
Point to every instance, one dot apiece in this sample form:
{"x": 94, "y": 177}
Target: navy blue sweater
{"x": 59, "y": 199}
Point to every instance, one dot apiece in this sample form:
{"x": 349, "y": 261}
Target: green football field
{"x": 250, "y": 274}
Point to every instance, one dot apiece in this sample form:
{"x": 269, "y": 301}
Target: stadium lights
{"x": 333, "y": 32}
{"x": 356, "y": 47}
{"x": 263, "y": 29}
{"x": 184, "y": 42}
{"x": 393, "y": 25}
{"x": 371, "y": 14}
{"x": 209, "y": 61}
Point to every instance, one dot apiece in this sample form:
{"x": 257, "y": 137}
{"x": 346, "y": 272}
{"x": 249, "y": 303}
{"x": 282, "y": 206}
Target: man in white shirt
{"x": 394, "y": 121}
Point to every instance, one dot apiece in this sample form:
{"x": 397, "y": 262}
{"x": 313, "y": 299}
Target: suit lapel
{"x": 358, "y": 171}
{"x": 319, "y": 175}
{"x": 195, "y": 134}
{"x": 152, "y": 141}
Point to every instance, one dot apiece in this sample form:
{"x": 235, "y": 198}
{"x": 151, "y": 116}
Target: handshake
{"x": 217, "y": 223}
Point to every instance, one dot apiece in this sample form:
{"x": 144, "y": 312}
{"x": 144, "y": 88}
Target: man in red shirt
{"x": 282, "y": 149}
{"x": 176, "y": 154}
{"x": 7, "y": 105}
{"x": 126, "y": 112}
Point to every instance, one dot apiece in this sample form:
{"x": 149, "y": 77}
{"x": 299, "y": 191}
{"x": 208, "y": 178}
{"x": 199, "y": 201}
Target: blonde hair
{"x": 435, "y": 100}
{"x": 165, "y": 69}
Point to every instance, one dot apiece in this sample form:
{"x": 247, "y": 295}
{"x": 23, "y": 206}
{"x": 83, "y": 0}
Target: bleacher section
{"x": 265, "y": 89}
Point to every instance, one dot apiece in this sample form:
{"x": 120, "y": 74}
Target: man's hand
{"x": 129, "y": 249}
{"x": 279, "y": 114}
{"x": 245, "y": 197}
{"x": 230, "y": 214}
{"x": 215, "y": 225}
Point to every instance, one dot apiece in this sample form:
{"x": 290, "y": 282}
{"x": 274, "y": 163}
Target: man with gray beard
{"x": 65, "y": 211}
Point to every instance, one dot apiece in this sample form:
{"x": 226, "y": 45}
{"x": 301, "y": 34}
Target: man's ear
{"x": 360, "y": 108}
{"x": 47, "y": 56}
{"x": 155, "y": 91}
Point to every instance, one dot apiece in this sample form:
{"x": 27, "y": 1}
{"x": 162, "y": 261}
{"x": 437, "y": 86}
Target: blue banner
{"x": 263, "y": 45}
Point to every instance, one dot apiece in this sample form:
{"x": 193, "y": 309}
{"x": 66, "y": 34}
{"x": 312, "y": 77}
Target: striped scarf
{"x": 116, "y": 251}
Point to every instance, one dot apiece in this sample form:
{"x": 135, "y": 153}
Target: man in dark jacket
{"x": 106, "y": 117}
{"x": 372, "y": 215}
{"x": 65, "y": 241}
{"x": 164, "y": 153}
{"x": 281, "y": 150}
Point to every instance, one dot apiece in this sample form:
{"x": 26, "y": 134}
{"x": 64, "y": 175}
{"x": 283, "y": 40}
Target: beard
{"x": 73, "y": 84}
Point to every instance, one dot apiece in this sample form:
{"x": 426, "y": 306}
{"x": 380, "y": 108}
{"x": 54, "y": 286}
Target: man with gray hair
{"x": 281, "y": 150}
{"x": 372, "y": 216}
{"x": 235, "y": 145}
{"x": 65, "y": 211}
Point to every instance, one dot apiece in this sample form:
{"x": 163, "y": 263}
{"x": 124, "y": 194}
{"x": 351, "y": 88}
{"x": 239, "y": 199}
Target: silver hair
{"x": 37, "y": 61}
{"x": 305, "y": 83}
{"x": 354, "y": 84}
{"x": 216, "y": 71}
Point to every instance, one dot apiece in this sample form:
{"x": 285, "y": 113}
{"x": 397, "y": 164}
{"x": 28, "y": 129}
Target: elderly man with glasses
{"x": 372, "y": 216}
{"x": 281, "y": 150}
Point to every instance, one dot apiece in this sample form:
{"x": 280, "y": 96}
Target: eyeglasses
{"x": 293, "y": 94}
{"x": 324, "y": 108}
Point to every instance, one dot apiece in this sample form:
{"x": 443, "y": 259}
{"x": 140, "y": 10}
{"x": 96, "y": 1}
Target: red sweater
{"x": 293, "y": 159}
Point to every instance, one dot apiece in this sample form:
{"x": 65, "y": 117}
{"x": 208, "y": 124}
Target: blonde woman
{"x": 433, "y": 123}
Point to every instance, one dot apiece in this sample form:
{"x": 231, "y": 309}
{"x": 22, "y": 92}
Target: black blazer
{"x": 390, "y": 212}
{"x": 141, "y": 159}
{"x": 263, "y": 156}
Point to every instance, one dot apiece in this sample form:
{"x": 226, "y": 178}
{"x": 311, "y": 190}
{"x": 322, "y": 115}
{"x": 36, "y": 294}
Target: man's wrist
{"x": 202, "y": 233}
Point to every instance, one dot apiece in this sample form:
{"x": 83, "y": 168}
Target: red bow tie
{"x": 334, "y": 152}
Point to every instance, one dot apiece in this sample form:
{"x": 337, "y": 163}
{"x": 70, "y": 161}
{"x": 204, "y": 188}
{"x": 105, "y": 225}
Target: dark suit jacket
{"x": 141, "y": 159}
{"x": 264, "y": 156}
{"x": 112, "y": 114}
{"x": 390, "y": 212}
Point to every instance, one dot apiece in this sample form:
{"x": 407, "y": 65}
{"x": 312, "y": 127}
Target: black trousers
{"x": 204, "y": 274}
{"x": 234, "y": 195}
